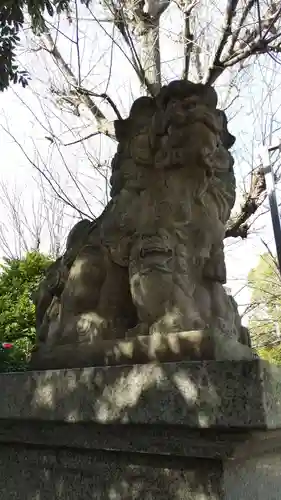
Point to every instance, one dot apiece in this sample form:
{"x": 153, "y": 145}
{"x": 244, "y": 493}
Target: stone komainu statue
{"x": 154, "y": 260}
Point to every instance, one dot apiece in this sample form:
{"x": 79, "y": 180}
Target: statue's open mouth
{"x": 190, "y": 132}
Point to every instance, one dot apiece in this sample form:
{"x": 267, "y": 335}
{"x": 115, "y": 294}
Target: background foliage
{"x": 18, "y": 279}
{"x": 12, "y": 16}
{"x": 265, "y": 308}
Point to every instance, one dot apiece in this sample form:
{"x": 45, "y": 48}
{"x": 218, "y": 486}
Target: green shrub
{"x": 18, "y": 279}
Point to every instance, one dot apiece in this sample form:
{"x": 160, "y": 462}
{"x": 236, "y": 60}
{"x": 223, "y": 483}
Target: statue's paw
{"x": 172, "y": 323}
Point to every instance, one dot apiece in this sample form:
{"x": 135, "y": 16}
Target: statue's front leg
{"x": 161, "y": 291}
{"x": 115, "y": 302}
{"x": 79, "y": 320}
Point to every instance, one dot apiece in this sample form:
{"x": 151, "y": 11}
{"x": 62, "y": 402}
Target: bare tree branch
{"x": 253, "y": 42}
{"x": 227, "y": 30}
{"x": 236, "y": 32}
{"x": 76, "y": 98}
{"x": 104, "y": 96}
{"x": 238, "y": 226}
{"x": 82, "y": 139}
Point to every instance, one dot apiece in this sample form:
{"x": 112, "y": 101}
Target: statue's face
{"x": 180, "y": 128}
{"x": 190, "y": 129}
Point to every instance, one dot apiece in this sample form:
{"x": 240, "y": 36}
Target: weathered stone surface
{"x": 41, "y": 474}
{"x": 153, "y": 439}
{"x": 61, "y": 472}
{"x": 154, "y": 261}
{"x": 257, "y": 478}
{"x": 196, "y": 394}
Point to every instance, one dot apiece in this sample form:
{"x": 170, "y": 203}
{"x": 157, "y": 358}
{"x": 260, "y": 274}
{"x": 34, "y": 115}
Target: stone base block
{"x": 173, "y": 431}
{"x": 72, "y": 475}
{"x": 70, "y": 463}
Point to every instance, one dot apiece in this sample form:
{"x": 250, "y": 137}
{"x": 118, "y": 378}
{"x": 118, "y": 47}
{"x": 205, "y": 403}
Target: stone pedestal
{"x": 173, "y": 431}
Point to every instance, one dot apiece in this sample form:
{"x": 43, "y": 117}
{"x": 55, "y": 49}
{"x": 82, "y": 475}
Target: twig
{"x": 63, "y": 197}
{"x": 274, "y": 260}
{"x": 120, "y": 23}
{"x": 82, "y": 139}
{"x": 110, "y": 62}
{"x": 77, "y": 44}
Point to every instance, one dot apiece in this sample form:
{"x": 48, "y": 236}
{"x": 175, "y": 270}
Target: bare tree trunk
{"x": 150, "y": 55}
{"x": 142, "y": 19}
